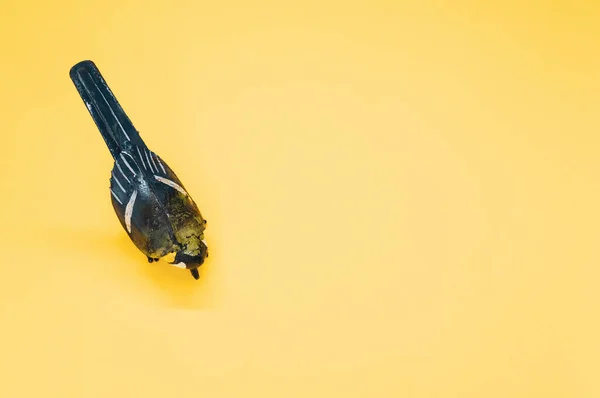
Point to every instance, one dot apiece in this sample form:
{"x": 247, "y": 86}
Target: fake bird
{"x": 153, "y": 206}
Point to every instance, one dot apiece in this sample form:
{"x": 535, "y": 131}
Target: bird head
{"x": 191, "y": 259}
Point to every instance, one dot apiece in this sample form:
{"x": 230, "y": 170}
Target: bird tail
{"x": 110, "y": 118}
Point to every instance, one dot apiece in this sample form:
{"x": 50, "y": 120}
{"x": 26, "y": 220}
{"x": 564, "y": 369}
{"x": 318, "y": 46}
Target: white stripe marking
{"x": 149, "y": 164}
{"x": 111, "y": 110}
{"x": 116, "y": 197}
{"x": 113, "y": 113}
{"x": 179, "y": 265}
{"x": 121, "y": 170}
{"x": 171, "y": 184}
{"x": 152, "y": 159}
{"x": 141, "y": 158}
{"x": 128, "y": 154}
{"x": 129, "y": 211}
{"x": 121, "y": 186}
{"x": 161, "y": 165}
{"x": 127, "y": 164}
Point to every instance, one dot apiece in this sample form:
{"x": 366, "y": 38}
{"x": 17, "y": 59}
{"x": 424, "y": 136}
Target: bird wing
{"x": 139, "y": 210}
{"x": 184, "y": 215}
{"x": 123, "y": 178}
{"x": 166, "y": 185}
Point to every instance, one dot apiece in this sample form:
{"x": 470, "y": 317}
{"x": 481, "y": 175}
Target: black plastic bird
{"x": 152, "y": 204}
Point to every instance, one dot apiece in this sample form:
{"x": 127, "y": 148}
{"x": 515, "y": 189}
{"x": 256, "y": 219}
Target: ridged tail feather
{"x": 110, "y": 118}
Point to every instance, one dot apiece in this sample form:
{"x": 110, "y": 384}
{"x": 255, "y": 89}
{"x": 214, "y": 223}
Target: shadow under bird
{"x": 153, "y": 206}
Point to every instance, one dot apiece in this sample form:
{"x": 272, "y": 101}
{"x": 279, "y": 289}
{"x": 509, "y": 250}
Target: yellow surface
{"x": 403, "y": 200}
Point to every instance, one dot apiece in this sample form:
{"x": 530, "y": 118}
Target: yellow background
{"x": 403, "y": 200}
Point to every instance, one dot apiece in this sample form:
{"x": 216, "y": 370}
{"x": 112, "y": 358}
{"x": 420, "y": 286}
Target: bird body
{"x": 150, "y": 201}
